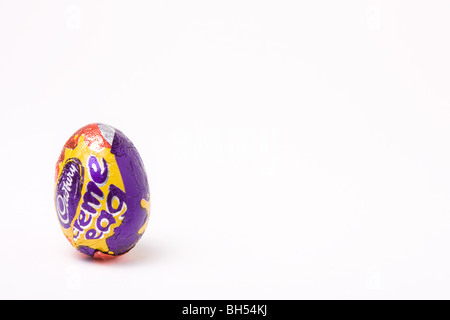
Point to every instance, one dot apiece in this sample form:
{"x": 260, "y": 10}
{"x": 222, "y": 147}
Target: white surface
{"x": 294, "y": 150}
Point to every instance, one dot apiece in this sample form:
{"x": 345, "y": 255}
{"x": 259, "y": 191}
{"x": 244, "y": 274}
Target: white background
{"x": 295, "y": 149}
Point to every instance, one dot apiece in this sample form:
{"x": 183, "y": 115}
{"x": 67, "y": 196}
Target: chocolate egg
{"x": 102, "y": 196}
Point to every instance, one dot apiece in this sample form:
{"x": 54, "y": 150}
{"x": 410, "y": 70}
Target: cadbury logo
{"x": 68, "y": 191}
{"x": 92, "y": 199}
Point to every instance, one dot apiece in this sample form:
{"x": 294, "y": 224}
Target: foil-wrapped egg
{"x": 102, "y": 197}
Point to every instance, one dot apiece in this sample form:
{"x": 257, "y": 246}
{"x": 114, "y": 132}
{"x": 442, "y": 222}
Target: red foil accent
{"x": 103, "y": 256}
{"x": 92, "y": 134}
